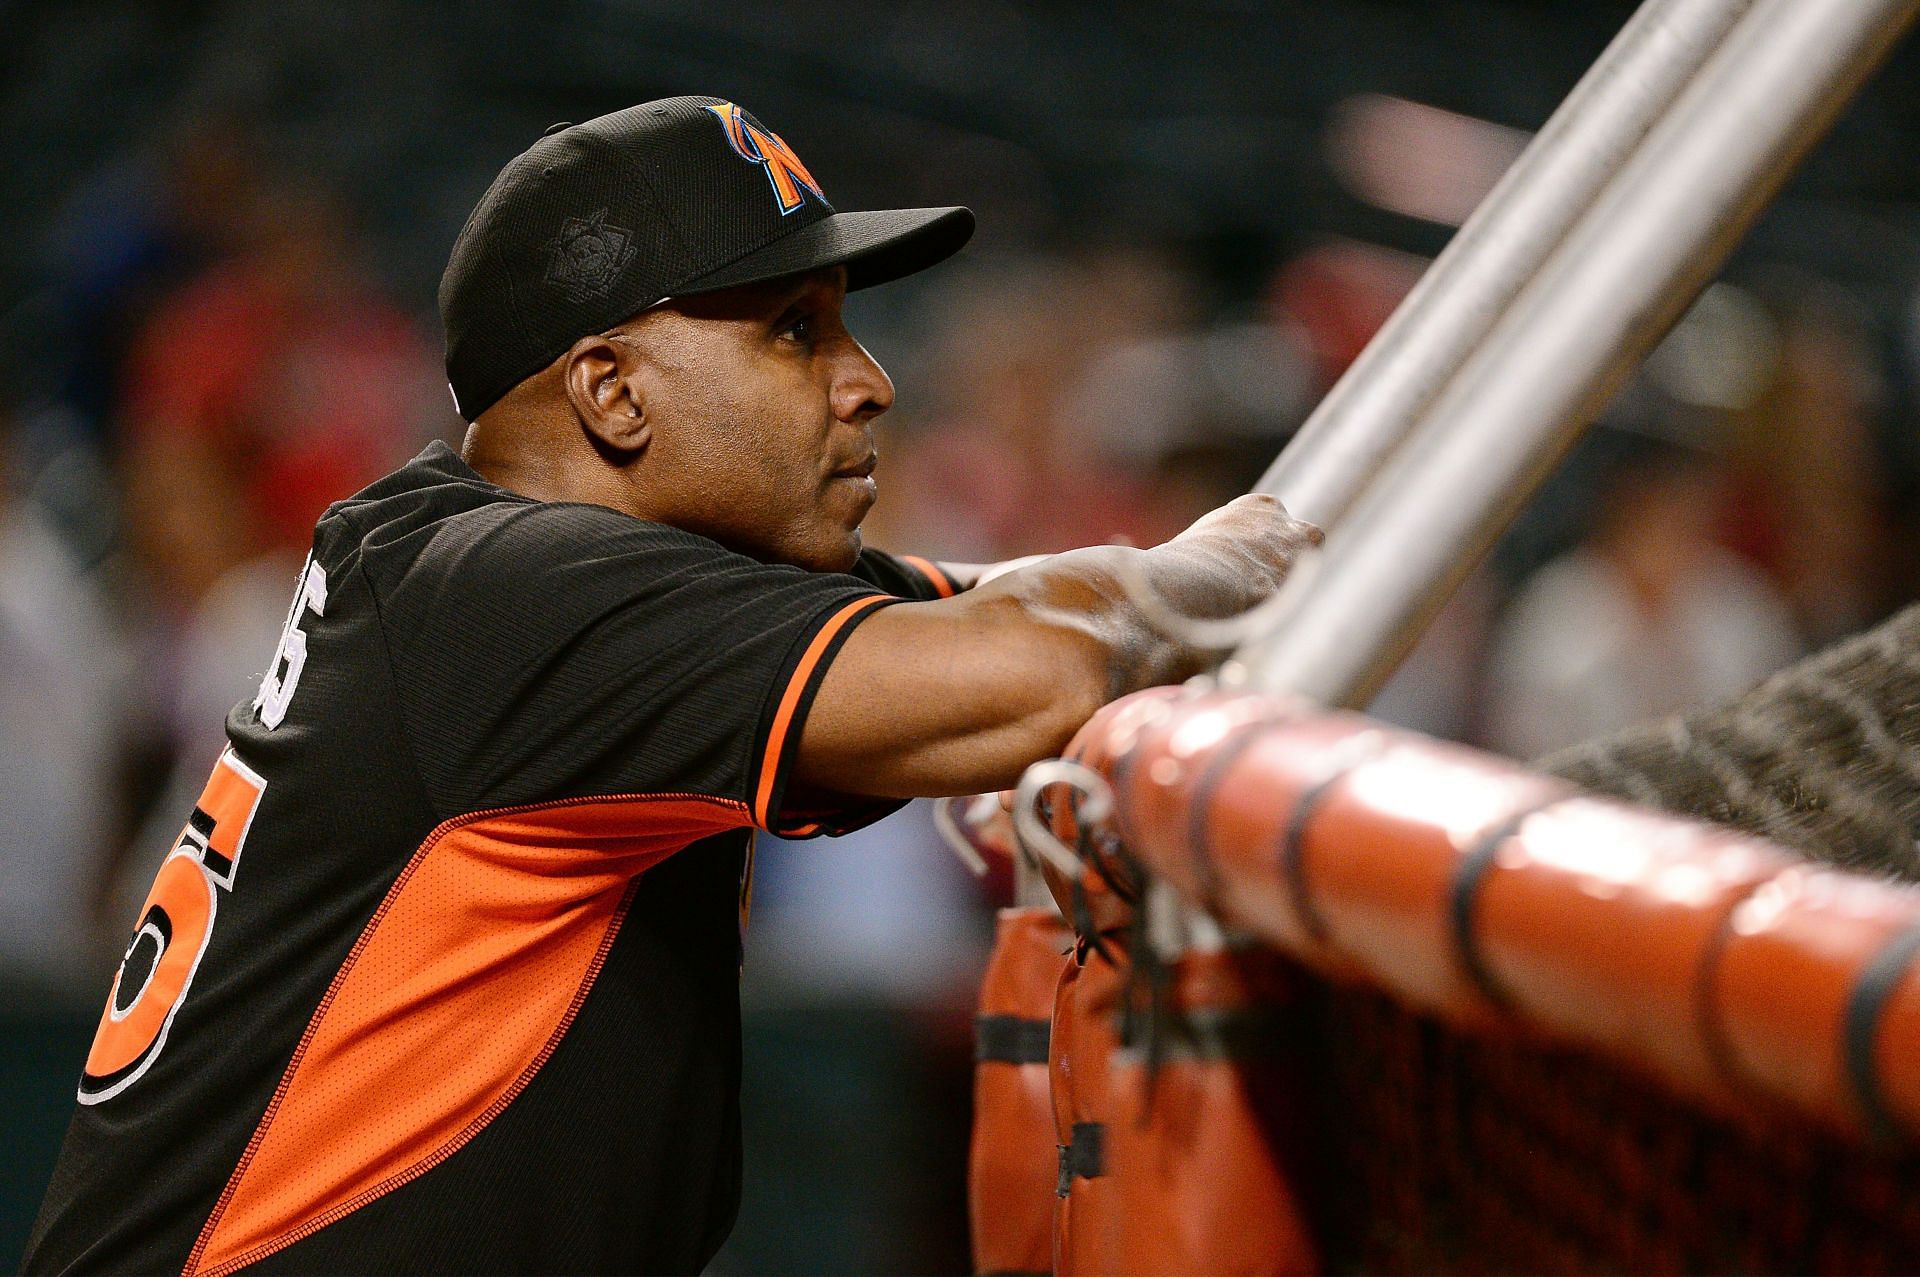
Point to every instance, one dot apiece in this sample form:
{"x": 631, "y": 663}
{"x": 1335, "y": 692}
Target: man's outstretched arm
{"x": 960, "y": 695}
{"x": 967, "y": 575}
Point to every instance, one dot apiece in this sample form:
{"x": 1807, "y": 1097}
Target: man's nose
{"x": 861, "y": 387}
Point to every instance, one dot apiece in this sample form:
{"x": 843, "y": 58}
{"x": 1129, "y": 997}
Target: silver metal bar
{"x": 1373, "y": 407}
{"x": 1625, "y": 273}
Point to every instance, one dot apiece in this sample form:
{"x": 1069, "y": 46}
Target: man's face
{"x": 761, "y": 404}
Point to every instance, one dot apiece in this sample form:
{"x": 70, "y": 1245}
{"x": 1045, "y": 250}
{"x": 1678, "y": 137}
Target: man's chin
{"x": 834, "y": 551}
{"x": 850, "y": 553}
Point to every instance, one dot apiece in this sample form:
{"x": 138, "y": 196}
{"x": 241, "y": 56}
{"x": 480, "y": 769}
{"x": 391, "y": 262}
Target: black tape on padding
{"x": 1119, "y": 768}
{"x": 1225, "y": 755}
{"x": 1011, "y": 1039}
{"x": 1085, "y": 1158}
{"x": 1293, "y": 841}
{"x": 1466, "y": 891}
{"x": 1865, "y": 1005}
{"x": 1706, "y": 1004}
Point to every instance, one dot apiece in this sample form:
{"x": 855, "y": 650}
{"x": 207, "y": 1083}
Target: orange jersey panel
{"x": 458, "y": 990}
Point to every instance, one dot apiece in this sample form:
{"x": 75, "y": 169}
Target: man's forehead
{"x": 746, "y": 301}
{"x": 831, "y": 279}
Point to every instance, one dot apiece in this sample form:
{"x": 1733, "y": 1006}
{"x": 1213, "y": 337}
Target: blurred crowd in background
{"x": 216, "y": 316}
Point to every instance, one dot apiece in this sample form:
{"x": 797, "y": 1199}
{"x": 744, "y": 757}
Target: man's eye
{"x": 798, "y": 328}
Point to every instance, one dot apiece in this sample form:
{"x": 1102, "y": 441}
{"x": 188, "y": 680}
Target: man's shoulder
{"x": 436, "y": 516}
{"x": 433, "y": 489}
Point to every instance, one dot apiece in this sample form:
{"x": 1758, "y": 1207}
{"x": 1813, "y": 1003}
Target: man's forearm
{"x": 1086, "y": 591}
{"x": 961, "y": 694}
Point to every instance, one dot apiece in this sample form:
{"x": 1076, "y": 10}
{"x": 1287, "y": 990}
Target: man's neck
{"x": 515, "y": 460}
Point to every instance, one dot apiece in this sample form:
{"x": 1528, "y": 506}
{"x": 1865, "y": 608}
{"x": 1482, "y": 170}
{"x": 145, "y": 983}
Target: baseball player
{"x": 441, "y": 973}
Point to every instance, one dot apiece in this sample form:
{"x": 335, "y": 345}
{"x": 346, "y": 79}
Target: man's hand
{"x": 960, "y": 695}
{"x": 1240, "y": 553}
{"x": 1256, "y": 519}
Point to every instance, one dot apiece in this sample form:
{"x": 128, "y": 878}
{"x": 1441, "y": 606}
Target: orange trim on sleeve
{"x": 790, "y": 701}
{"x": 455, "y": 994}
{"x": 942, "y": 583}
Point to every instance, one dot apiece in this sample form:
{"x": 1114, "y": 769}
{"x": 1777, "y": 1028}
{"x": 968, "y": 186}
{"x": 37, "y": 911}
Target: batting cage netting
{"x": 1441, "y": 1151}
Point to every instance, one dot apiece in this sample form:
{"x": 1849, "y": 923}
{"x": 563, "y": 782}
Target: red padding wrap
{"x": 1013, "y": 1163}
{"x": 1204, "y": 1140}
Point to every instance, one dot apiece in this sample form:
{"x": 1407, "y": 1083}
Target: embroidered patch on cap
{"x": 587, "y": 256}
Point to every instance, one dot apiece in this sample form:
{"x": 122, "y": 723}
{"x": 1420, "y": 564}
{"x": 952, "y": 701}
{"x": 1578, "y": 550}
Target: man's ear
{"x": 603, "y": 383}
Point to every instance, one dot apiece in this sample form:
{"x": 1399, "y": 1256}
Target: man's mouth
{"x": 861, "y": 469}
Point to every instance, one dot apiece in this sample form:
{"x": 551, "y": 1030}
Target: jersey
{"x": 441, "y": 973}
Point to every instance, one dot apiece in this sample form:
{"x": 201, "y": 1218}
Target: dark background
{"x": 1174, "y": 261}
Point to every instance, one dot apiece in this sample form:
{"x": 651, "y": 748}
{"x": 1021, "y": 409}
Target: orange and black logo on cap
{"x": 787, "y": 175}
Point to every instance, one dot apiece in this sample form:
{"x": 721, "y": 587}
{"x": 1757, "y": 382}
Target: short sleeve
{"x": 906, "y": 576}
{"x": 549, "y": 651}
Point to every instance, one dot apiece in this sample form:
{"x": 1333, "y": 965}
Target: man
{"x": 442, "y": 973}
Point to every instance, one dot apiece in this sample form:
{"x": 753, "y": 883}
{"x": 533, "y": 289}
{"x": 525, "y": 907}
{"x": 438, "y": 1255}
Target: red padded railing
{"x": 1464, "y": 885}
{"x": 1549, "y": 1033}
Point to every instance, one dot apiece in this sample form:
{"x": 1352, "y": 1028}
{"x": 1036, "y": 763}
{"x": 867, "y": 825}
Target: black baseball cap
{"x": 595, "y": 222}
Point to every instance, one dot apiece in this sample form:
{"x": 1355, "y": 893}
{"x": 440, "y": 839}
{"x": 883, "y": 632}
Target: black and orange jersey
{"x": 441, "y": 974}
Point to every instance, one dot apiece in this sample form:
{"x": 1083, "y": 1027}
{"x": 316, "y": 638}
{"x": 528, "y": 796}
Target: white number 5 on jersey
{"x": 283, "y": 675}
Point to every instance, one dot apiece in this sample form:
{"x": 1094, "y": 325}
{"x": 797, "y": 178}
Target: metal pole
{"x": 1375, "y": 404}
{"x": 1605, "y": 297}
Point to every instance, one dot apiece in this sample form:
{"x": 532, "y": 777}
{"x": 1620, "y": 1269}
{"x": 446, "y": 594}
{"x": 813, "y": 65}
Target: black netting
{"x": 1445, "y": 1152}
